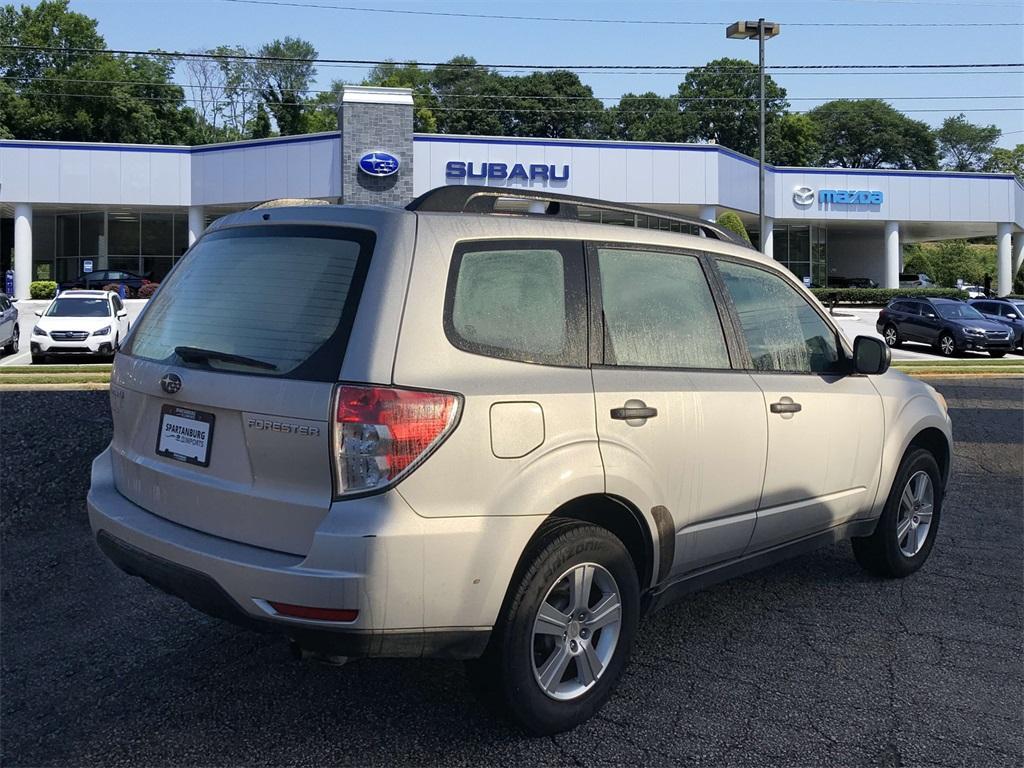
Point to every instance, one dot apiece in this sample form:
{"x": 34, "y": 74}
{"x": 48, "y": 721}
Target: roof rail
{"x": 467, "y": 198}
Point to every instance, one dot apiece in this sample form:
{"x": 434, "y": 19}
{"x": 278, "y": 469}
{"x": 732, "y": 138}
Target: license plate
{"x": 185, "y": 435}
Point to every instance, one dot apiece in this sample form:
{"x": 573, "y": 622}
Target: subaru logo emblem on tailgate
{"x": 171, "y": 383}
{"x": 379, "y": 164}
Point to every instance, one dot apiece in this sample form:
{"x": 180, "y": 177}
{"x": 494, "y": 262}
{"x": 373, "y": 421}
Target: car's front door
{"x": 825, "y": 425}
{"x": 681, "y": 432}
{"x": 7, "y": 317}
{"x": 928, "y": 324}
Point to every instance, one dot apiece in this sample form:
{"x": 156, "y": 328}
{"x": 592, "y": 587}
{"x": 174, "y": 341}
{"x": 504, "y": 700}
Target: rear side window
{"x": 783, "y": 332}
{"x": 284, "y": 297}
{"x": 658, "y": 311}
{"x": 518, "y": 300}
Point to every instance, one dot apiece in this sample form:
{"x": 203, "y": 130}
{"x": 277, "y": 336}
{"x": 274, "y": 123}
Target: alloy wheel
{"x": 576, "y": 631}
{"x": 890, "y": 336}
{"x": 947, "y": 345}
{"x": 915, "y": 515}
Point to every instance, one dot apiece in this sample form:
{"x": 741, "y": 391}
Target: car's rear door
{"x": 825, "y": 425}
{"x": 222, "y": 394}
{"x": 681, "y": 432}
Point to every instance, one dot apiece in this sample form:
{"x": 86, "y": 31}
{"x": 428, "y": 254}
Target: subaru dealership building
{"x": 66, "y": 208}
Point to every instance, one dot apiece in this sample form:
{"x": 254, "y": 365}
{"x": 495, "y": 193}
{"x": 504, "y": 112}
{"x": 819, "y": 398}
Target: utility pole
{"x": 745, "y": 30}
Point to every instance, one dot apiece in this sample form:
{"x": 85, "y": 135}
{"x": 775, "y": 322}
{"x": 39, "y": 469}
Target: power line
{"x": 179, "y": 55}
{"x": 516, "y": 96}
{"x": 581, "y": 20}
{"x": 581, "y": 110}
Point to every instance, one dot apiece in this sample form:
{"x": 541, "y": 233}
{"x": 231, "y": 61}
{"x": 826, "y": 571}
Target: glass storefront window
{"x": 155, "y": 268}
{"x": 122, "y": 233}
{"x": 180, "y": 234}
{"x": 157, "y": 234}
{"x": 93, "y": 235}
{"x": 67, "y": 236}
{"x": 43, "y": 245}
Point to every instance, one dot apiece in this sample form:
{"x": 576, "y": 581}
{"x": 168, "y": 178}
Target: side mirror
{"x": 871, "y": 356}
{"x": 1010, "y": 316}
{"x": 123, "y": 313}
{"x": 39, "y": 313}
{"x": 930, "y": 314}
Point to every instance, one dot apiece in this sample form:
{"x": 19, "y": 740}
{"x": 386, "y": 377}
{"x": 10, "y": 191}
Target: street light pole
{"x": 745, "y": 30}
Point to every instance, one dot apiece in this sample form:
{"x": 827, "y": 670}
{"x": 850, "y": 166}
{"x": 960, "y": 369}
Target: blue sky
{"x": 191, "y": 24}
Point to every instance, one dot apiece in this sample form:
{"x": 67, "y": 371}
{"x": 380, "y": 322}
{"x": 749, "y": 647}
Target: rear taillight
{"x": 380, "y": 433}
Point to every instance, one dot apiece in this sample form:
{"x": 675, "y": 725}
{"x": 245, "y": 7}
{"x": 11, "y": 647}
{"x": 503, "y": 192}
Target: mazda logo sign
{"x": 171, "y": 383}
{"x": 803, "y": 195}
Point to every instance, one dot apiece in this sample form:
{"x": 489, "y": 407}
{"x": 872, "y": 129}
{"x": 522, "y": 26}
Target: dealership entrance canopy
{"x": 66, "y": 208}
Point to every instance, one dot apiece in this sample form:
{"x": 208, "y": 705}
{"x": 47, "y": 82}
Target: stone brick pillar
{"x": 376, "y": 120}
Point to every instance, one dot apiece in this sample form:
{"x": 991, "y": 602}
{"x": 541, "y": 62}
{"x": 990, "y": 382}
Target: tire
{"x": 38, "y": 359}
{"x": 885, "y": 553}
{"x": 509, "y": 674}
{"x": 12, "y": 346}
{"x": 995, "y": 354}
{"x": 947, "y": 345}
{"x": 891, "y": 335}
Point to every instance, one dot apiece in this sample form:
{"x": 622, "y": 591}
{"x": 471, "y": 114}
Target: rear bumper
{"x": 379, "y": 573}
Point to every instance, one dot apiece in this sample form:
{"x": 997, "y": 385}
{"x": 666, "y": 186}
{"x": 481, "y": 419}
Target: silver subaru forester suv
{"x": 495, "y": 426}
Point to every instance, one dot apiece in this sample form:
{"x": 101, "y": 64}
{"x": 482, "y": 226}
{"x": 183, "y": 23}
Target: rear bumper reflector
{"x": 315, "y": 614}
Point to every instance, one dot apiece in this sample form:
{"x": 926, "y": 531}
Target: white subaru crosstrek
{"x": 80, "y": 323}
{"x": 493, "y": 427}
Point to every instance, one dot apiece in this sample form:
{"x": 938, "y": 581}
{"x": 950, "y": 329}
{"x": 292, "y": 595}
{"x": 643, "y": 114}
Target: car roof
{"x": 83, "y": 294}
{"x": 944, "y": 301}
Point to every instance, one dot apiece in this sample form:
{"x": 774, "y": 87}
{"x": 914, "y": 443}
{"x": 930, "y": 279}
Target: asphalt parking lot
{"x": 808, "y": 663}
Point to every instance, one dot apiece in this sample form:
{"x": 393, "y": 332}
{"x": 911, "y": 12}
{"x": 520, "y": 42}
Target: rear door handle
{"x": 634, "y": 410}
{"x": 785, "y": 405}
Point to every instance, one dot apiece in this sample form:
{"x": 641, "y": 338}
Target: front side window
{"x": 783, "y": 332}
{"x": 264, "y": 300}
{"x": 958, "y": 312}
{"x": 518, "y": 300}
{"x": 79, "y": 307}
{"x": 658, "y": 311}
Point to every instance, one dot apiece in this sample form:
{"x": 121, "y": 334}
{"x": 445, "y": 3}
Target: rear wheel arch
{"x": 622, "y": 519}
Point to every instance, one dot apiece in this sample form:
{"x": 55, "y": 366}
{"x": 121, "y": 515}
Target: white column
{"x": 769, "y": 238}
{"x": 22, "y": 249}
{"x": 892, "y": 254}
{"x": 1004, "y": 274}
{"x": 708, "y": 213}
{"x": 1017, "y": 255}
{"x": 196, "y": 223}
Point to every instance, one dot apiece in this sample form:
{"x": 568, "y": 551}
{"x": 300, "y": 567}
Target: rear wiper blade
{"x": 200, "y": 355}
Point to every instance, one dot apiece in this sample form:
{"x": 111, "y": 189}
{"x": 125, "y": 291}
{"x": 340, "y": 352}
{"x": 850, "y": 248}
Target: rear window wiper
{"x": 199, "y": 355}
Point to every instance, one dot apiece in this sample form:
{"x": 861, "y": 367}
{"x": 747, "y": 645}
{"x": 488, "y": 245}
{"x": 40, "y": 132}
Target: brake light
{"x": 380, "y": 433}
{"x": 317, "y": 614}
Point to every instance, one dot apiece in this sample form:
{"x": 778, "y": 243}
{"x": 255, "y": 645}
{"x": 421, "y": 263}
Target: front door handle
{"x": 786, "y": 406}
{"x": 634, "y": 412}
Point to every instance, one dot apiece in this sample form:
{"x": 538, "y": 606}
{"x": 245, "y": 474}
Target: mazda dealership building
{"x": 66, "y": 208}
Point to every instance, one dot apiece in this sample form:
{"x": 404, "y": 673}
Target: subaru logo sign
{"x": 379, "y": 164}
{"x": 171, "y": 383}
{"x": 803, "y": 195}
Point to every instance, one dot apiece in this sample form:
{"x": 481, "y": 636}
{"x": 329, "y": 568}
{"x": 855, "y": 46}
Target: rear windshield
{"x": 264, "y": 300}
{"x": 79, "y": 308}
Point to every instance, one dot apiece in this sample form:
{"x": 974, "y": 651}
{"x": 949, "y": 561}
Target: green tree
{"x": 794, "y": 139}
{"x": 732, "y": 222}
{"x": 259, "y": 127}
{"x": 719, "y": 103}
{"x": 83, "y": 95}
{"x": 869, "y": 133}
{"x": 284, "y": 75}
{"x": 322, "y": 110}
{"x": 554, "y": 104}
{"x": 647, "y": 117}
{"x": 394, "y": 75}
{"x": 1007, "y": 161}
{"x": 965, "y": 146}
{"x": 470, "y": 98}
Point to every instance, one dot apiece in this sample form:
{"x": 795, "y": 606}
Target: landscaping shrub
{"x": 880, "y": 296}
{"x": 42, "y": 289}
{"x": 734, "y": 224}
{"x": 147, "y": 290}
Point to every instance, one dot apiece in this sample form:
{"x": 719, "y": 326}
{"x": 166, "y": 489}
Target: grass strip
{"x": 56, "y": 378}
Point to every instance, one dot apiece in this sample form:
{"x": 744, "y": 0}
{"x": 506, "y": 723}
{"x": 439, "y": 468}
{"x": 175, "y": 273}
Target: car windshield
{"x": 958, "y": 312}
{"x": 79, "y": 307}
{"x": 1019, "y": 306}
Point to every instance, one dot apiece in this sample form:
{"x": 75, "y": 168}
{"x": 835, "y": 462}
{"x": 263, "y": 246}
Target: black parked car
{"x": 101, "y": 277}
{"x": 838, "y": 281}
{"x": 1009, "y": 312}
{"x": 949, "y": 325}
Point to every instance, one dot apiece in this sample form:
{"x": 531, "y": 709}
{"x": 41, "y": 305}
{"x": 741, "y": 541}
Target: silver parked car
{"x": 494, "y": 426}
